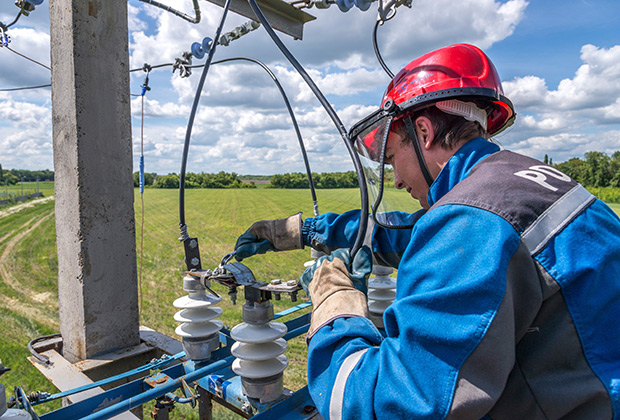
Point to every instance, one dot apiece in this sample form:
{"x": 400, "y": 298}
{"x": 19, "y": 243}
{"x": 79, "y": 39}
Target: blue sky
{"x": 559, "y": 62}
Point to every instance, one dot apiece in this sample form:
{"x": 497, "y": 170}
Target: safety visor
{"x": 369, "y": 138}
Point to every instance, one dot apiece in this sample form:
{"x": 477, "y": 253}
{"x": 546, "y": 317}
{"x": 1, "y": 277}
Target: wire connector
{"x": 387, "y": 8}
{"x": 145, "y": 87}
{"x": 183, "y": 64}
{"x": 238, "y": 32}
{"x": 4, "y": 38}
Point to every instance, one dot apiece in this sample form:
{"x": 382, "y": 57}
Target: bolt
{"x": 275, "y": 282}
{"x": 193, "y": 243}
{"x": 291, "y": 283}
{"x": 308, "y": 409}
{"x": 278, "y": 296}
{"x": 247, "y": 408}
{"x": 293, "y": 296}
{"x": 195, "y": 261}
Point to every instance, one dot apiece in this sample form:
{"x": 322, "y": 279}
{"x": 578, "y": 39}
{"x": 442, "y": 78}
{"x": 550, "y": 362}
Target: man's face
{"x": 407, "y": 173}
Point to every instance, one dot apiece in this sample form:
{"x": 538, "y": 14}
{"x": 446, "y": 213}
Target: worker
{"x": 508, "y": 287}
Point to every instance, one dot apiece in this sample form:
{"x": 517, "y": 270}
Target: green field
{"x": 28, "y": 265}
{"x": 29, "y": 308}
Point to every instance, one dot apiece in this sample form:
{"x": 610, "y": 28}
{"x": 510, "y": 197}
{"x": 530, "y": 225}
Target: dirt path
{"x": 25, "y": 205}
{"x": 36, "y": 300}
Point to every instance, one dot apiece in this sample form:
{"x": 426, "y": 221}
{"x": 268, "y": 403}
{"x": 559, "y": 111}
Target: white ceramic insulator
{"x": 381, "y": 289}
{"x": 262, "y": 369}
{"x": 197, "y": 314}
{"x": 258, "y": 349}
{"x": 258, "y": 352}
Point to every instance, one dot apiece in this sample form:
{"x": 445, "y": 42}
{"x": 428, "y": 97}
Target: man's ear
{"x": 426, "y": 133}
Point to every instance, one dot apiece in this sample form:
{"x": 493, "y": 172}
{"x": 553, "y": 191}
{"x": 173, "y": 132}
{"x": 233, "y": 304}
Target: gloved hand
{"x": 270, "y": 235}
{"x": 360, "y": 270}
{"x": 337, "y": 286}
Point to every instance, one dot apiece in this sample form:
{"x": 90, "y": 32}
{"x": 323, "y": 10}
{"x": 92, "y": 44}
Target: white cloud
{"x": 17, "y": 71}
{"x": 563, "y": 146}
{"x": 435, "y": 23}
{"x": 528, "y": 91}
{"x": 26, "y": 133}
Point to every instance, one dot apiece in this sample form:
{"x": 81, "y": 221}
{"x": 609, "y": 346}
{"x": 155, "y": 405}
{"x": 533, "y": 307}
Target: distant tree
{"x": 546, "y": 159}
{"x": 1, "y": 178}
{"x": 324, "y": 180}
{"x": 597, "y": 172}
{"x": 167, "y": 181}
{"x": 149, "y": 178}
{"x": 10, "y": 178}
{"x": 614, "y": 165}
{"x": 575, "y": 168}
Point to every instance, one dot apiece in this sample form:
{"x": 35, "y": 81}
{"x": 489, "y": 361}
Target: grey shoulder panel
{"x": 515, "y": 187}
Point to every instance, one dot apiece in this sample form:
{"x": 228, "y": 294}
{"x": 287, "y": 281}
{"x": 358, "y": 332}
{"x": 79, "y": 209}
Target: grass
{"x": 46, "y": 187}
{"x": 28, "y": 304}
{"x": 29, "y": 309}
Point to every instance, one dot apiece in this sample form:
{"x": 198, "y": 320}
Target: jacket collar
{"x": 459, "y": 166}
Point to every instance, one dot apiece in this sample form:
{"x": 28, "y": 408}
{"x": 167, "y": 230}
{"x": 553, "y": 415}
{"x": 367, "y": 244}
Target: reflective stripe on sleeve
{"x": 555, "y": 218}
{"x": 337, "y": 400}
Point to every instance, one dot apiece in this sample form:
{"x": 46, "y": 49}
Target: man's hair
{"x": 450, "y": 130}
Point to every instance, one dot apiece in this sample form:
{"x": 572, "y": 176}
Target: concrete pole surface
{"x": 97, "y": 284}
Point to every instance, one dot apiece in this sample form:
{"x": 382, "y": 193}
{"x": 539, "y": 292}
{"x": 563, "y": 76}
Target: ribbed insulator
{"x": 199, "y": 329}
{"x": 381, "y": 293}
{"x": 259, "y": 359}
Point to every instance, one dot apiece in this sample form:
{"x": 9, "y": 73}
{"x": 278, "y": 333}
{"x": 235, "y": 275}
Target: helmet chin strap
{"x": 416, "y": 145}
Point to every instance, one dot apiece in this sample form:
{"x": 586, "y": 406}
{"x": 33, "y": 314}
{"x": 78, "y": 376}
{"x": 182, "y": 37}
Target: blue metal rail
{"x": 168, "y": 379}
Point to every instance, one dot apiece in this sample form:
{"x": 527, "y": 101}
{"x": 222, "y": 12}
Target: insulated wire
{"x": 293, "y": 119}
{"x": 176, "y": 12}
{"x": 332, "y": 114}
{"x": 24, "y": 88}
{"x": 21, "y": 9}
{"x": 190, "y": 123}
{"x": 288, "y": 106}
{"x": 378, "y": 53}
{"x": 27, "y": 58}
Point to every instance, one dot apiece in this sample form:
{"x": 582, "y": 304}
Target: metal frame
{"x": 214, "y": 376}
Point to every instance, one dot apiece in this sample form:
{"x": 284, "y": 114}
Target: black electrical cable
{"x": 24, "y": 88}
{"x": 40, "y": 357}
{"x": 332, "y": 114}
{"x": 288, "y": 106}
{"x": 21, "y": 9}
{"x": 27, "y": 58}
{"x": 293, "y": 119}
{"x": 153, "y": 67}
{"x": 378, "y": 53}
{"x": 176, "y": 12}
{"x": 190, "y": 124}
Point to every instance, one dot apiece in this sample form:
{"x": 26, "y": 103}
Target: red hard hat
{"x": 459, "y": 71}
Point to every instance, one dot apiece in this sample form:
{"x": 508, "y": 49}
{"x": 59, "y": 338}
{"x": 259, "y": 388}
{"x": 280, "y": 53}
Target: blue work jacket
{"x": 507, "y": 303}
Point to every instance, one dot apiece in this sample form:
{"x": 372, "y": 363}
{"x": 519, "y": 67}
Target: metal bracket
{"x": 281, "y": 15}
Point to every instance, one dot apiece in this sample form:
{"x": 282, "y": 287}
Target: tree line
{"x": 193, "y": 180}
{"x": 323, "y": 180}
{"x": 13, "y": 176}
{"x": 597, "y": 169}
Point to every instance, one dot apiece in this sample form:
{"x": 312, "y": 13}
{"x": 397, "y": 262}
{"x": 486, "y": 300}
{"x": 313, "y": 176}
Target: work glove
{"x": 270, "y": 235}
{"x": 337, "y": 286}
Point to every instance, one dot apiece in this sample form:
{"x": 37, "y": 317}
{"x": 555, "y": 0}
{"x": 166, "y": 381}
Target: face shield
{"x": 390, "y": 207}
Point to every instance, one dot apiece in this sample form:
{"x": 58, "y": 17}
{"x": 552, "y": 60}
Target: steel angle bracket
{"x": 281, "y": 15}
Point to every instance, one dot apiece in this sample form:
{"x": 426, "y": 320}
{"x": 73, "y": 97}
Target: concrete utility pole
{"x": 97, "y": 286}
